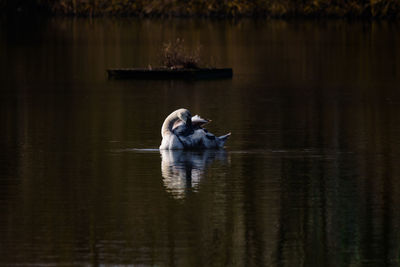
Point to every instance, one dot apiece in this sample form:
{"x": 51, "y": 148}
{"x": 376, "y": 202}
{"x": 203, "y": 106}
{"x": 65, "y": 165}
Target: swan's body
{"x": 182, "y": 131}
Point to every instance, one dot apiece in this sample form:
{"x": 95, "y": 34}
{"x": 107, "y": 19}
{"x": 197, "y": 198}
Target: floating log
{"x": 166, "y": 74}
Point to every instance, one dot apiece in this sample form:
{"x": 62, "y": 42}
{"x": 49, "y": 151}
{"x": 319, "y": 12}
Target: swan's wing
{"x": 182, "y": 130}
{"x": 177, "y": 124}
{"x": 199, "y": 121}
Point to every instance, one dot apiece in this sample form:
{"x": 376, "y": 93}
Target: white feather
{"x": 179, "y": 132}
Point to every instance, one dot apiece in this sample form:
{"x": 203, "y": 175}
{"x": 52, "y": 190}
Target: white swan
{"x": 182, "y": 131}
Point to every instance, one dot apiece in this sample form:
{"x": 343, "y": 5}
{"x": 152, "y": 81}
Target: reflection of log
{"x": 164, "y": 73}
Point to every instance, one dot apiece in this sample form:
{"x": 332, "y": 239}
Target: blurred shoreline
{"x": 364, "y": 9}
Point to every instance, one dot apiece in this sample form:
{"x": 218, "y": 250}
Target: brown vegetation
{"x": 223, "y": 8}
{"x": 176, "y": 55}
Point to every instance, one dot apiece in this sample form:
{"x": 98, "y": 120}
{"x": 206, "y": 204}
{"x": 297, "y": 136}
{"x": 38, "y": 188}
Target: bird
{"x": 182, "y": 131}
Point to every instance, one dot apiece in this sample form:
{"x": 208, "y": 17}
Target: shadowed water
{"x": 309, "y": 177}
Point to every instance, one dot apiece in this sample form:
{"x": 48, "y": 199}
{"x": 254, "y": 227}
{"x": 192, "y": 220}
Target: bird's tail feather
{"x": 223, "y": 138}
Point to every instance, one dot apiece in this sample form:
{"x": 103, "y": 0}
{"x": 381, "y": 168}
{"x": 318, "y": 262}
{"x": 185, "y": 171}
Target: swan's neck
{"x": 168, "y": 124}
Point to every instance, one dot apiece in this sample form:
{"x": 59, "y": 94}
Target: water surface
{"x": 309, "y": 177}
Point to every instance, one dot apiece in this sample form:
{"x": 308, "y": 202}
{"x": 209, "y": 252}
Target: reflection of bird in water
{"x": 183, "y": 170}
{"x": 182, "y": 131}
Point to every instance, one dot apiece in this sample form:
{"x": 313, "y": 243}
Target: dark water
{"x": 310, "y": 175}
